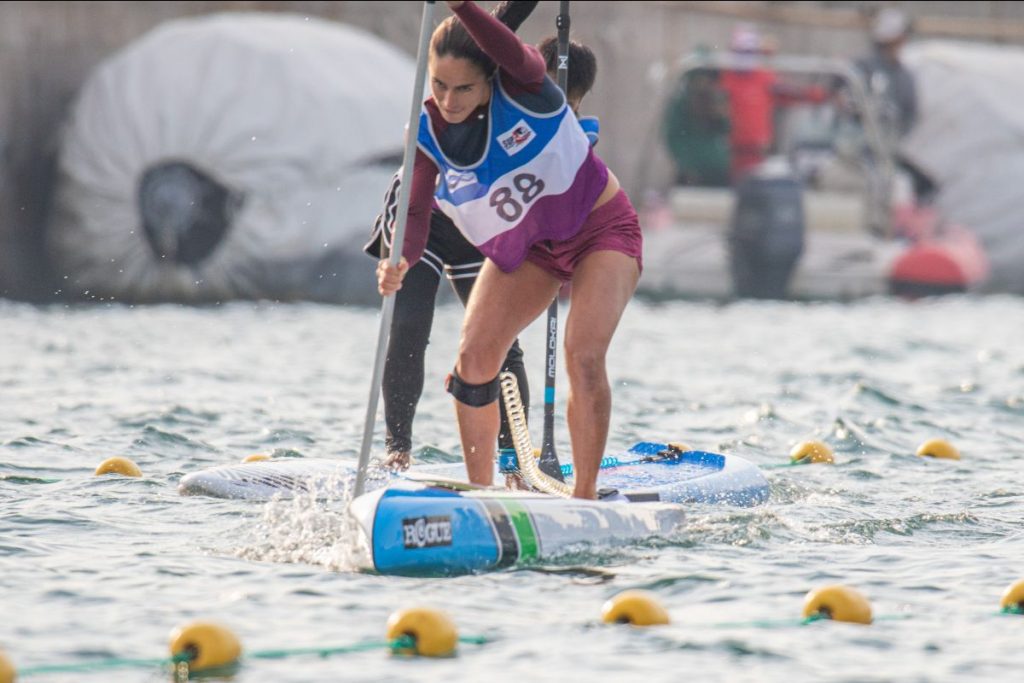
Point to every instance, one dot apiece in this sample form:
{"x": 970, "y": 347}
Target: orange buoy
{"x": 634, "y": 607}
{"x": 432, "y": 632}
{"x": 838, "y": 603}
{"x": 812, "y": 452}
{"x": 118, "y": 465}
{"x": 210, "y": 645}
{"x": 7, "y": 671}
{"x": 938, "y": 448}
{"x": 1013, "y": 598}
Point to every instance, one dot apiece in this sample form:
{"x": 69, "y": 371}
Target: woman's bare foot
{"x": 398, "y": 461}
{"x": 515, "y": 482}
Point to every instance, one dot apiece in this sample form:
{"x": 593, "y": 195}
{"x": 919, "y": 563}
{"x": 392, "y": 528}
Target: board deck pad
{"x": 691, "y": 476}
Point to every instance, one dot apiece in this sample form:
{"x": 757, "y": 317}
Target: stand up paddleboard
{"x": 429, "y": 520}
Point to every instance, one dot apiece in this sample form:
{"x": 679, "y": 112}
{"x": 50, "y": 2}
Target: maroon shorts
{"x": 613, "y": 226}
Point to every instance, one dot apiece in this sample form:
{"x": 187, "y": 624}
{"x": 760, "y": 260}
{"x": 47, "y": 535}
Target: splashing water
{"x": 314, "y": 526}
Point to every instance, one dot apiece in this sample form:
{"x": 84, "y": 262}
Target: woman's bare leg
{"x": 499, "y": 308}
{"x": 602, "y": 285}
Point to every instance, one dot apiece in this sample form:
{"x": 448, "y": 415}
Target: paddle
{"x": 388, "y": 306}
{"x": 549, "y": 464}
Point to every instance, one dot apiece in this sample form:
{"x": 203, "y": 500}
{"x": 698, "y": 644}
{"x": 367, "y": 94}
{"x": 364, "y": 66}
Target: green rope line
{"x": 820, "y": 616}
{"x": 474, "y": 640}
{"x": 404, "y": 642}
{"x": 792, "y": 463}
{"x": 771, "y": 623}
{"x": 759, "y": 624}
{"x": 799, "y": 622}
{"x": 401, "y": 643}
{"x": 112, "y": 663}
{"x": 1012, "y": 609}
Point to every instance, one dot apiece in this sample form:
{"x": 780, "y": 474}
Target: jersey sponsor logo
{"x": 455, "y": 179}
{"x": 516, "y": 138}
{"x": 427, "y": 532}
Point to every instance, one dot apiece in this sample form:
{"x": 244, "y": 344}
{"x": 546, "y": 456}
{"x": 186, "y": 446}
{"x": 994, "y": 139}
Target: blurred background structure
{"x": 86, "y": 89}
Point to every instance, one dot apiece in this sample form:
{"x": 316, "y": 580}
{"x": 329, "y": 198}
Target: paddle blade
{"x": 548, "y": 462}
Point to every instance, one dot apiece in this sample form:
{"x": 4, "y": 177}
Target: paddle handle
{"x": 397, "y": 240}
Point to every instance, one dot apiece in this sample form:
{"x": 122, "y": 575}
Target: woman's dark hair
{"x": 451, "y": 39}
{"x": 582, "y": 65}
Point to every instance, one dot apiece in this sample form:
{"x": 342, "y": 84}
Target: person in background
{"x": 886, "y": 76}
{"x": 449, "y": 252}
{"x": 581, "y": 77}
{"x": 894, "y": 89}
{"x": 754, "y": 91}
{"x": 521, "y": 181}
{"x": 695, "y": 128}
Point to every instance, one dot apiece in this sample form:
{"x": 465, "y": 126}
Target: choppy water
{"x": 92, "y": 568}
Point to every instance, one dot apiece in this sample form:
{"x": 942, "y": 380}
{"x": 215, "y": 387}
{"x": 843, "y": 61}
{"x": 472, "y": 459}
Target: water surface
{"x": 93, "y": 568}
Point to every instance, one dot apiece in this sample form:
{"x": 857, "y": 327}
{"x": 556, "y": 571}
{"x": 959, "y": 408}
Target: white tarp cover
{"x": 970, "y": 137}
{"x": 292, "y": 112}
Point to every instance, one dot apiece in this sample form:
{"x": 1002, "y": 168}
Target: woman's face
{"x": 458, "y": 86}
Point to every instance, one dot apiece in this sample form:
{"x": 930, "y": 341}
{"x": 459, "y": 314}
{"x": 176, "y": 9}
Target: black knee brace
{"x": 474, "y": 395}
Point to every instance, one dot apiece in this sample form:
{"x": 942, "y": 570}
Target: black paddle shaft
{"x": 549, "y": 464}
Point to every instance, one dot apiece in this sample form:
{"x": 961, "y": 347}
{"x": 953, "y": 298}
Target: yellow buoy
{"x": 255, "y": 457}
{"x": 938, "y": 448}
{"x": 119, "y": 465}
{"x": 7, "y": 672}
{"x": 1013, "y": 598}
{"x": 210, "y": 645}
{"x": 839, "y": 603}
{"x": 432, "y": 632}
{"x": 635, "y": 607}
{"x": 812, "y": 452}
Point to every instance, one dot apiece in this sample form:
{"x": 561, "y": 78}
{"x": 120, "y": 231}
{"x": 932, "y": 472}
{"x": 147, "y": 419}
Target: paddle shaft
{"x": 388, "y": 306}
{"x": 549, "y": 464}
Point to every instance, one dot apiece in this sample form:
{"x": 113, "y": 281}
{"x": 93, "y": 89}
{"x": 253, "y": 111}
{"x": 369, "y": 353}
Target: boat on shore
{"x": 833, "y": 213}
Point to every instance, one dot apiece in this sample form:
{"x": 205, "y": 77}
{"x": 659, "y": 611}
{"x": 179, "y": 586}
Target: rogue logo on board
{"x": 427, "y": 532}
